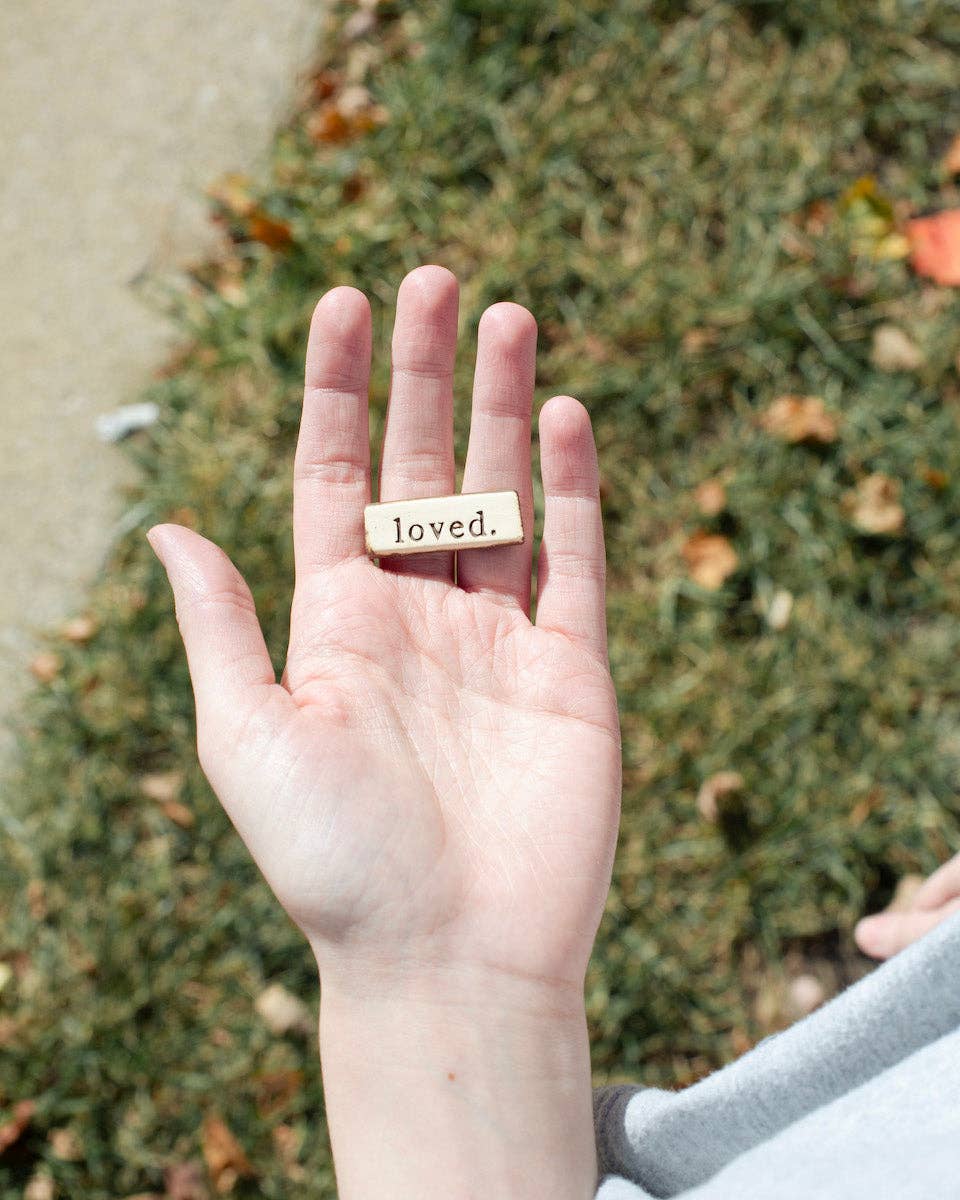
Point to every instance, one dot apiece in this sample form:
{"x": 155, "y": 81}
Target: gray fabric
{"x": 860, "y": 1099}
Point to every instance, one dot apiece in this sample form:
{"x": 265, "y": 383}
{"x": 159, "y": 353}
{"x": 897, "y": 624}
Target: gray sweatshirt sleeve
{"x": 863, "y": 1091}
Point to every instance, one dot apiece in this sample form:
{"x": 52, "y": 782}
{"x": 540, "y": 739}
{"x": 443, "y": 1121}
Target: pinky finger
{"x": 571, "y": 568}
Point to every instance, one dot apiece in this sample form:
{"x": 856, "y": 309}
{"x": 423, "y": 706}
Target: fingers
{"x": 227, "y": 656}
{"x": 886, "y": 934}
{"x": 942, "y": 886}
{"x": 571, "y": 566}
{"x": 498, "y": 453}
{"x": 417, "y": 458}
{"x": 331, "y": 473}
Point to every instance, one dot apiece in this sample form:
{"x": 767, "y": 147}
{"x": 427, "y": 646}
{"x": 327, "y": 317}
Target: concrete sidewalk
{"x": 113, "y": 119}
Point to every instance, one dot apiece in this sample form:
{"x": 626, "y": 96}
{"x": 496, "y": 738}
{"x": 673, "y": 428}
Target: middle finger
{"x": 417, "y": 459}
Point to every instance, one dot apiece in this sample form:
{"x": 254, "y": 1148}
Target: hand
{"x": 434, "y": 785}
{"x": 887, "y": 933}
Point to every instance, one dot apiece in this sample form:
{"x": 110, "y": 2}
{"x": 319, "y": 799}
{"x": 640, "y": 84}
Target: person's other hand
{"x": 886, "y": 933}
{"x": 435, "y": 782}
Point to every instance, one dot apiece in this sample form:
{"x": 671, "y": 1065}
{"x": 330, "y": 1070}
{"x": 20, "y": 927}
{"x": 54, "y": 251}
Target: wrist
{"x": 457, "y": 1084}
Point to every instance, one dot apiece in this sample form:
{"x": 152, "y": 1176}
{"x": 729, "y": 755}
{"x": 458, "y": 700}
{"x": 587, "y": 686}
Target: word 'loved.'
{"x": 468, "y": 521}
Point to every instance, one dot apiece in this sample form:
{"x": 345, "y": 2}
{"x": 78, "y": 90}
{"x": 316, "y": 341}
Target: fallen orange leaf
{"x": 711, "y": 497}
{"x": 79, "y": 629}
{"x": 288, "y": 1142}
{"x": 800, "y": 419}
{"x": 11, "y": 1130}
{"x": 935, "y": 478}
{"x": 710, "y": 559}
{"x": 223, "y": 1154}
{"x": 46, "y": 666}
{"x": 65, "y": 1144}
{"x": 713, "y": 790}
{"x": 174, "y": 811}
{"x": 276, "y": 1090}
{"x": 935, "y": 246}
{"x": 233, "y": 193}
{"x": 272, "y": 233}
{"x": 875, "y": 505}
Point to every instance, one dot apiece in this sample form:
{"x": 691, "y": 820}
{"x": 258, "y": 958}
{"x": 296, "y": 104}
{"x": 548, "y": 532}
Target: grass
{"x": 672, "y": 190}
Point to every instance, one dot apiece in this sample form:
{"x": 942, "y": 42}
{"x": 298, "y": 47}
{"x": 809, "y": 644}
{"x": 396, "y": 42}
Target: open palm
{"x": 435, "y": 782}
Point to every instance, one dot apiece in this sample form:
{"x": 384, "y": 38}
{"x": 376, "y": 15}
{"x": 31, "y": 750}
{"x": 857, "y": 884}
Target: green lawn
{"x": 672, "y": 189}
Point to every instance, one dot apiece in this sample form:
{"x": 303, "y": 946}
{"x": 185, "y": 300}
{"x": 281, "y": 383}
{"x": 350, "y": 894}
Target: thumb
{"x": 886, "y": 934}
{"x": 227, "y": 656}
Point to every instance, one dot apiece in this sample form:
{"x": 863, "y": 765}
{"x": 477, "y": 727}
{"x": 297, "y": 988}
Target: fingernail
{"x": 156, "y": 543}
{"x": 866, "y": 931}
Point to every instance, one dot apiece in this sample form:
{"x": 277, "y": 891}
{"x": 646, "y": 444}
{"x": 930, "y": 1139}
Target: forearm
{"x": 443, "y": 1089}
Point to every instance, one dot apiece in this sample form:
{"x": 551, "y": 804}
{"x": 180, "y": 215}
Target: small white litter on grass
{"x": 116, "y": 425}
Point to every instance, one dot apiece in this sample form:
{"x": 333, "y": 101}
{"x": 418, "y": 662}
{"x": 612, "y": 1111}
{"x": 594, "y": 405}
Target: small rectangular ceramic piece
{"x": 464, "y": 522}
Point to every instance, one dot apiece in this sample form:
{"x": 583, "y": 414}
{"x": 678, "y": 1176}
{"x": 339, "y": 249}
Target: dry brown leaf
{"x": 37, "y": 899}
{"x": 330, "y": 126}
{"x": 950, "y": 162}
{"x": 180, "y": 516}
{"x": 893, "y": 350}
{"x": 174, "y": 811}
{"x": 288, "y": 1142}
{"x": 325, "y": 84}
{"x": 598, "y": 349}
{"x": 65, "y": 1144}
{"x": 40, "y": 1187}
{"x": 229, "y": 282}
{"x": 14, "y": 1127}
{"x": 162, "y": 785}
{"x": 79, "y": 629}
{"x": 710, "y": 559}
{"x": 223, "y": 1154}
{"x": 800, "y": 419}
{"x": 276, "y": 1090}
{"x": 283, "y": 1012}
{"x": 818, "y": 217}
{"x": 711, "y": 497}
{"x": 233, "y": 192}
{"x": 712, "y": 790}
{"x": 875, "y": 506}
{"x": 935, "y": 246}
{"x": 344, "y": 115}
{"x": 269, "y": 231}
{"x": 700, "y": 338}
{"x": 185, "y": 1181}
{"x": 46, "y": 666}
{"x": 935, "y": 478}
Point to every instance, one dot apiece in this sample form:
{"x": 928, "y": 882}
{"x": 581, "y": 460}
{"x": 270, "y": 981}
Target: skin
{"x": 887, "y": 933}
{"x": 432, "y": 789}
